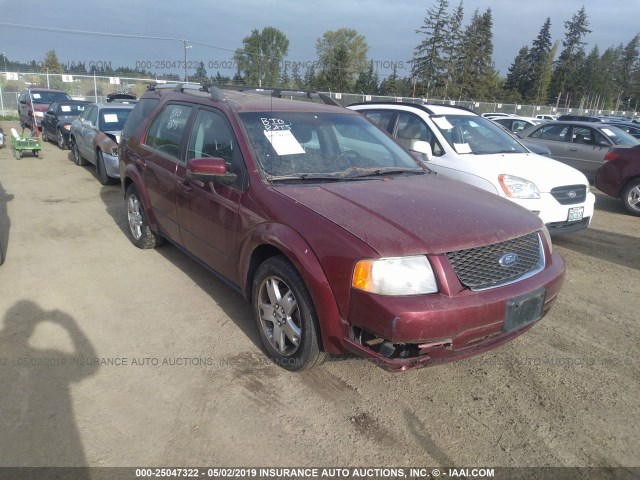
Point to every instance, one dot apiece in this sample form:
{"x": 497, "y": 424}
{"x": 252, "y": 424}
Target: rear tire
{"x": 140, "y": 232}
{"x": 631, "y": 197}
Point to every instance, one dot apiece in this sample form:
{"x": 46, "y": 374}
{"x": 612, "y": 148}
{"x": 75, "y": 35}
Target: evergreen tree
{"x": 310, "y": 79}
{"x": 454, "y": 53}
{"x": 51, "y": 63}
{"x": 201, "y": 73}
{"x": 572, "y": 55}
{"x": 367, "y": 81}
{"x": 285, "y": 80}
{"x": 429, "y": 57}
{"x": 296, "y": 79}
{"x": 478, "y": 66}
{"x": 538, "y": 60}
{"x": 517, "y": 80}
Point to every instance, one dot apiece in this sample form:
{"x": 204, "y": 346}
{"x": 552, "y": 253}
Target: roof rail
{"x": 280, "y": 92}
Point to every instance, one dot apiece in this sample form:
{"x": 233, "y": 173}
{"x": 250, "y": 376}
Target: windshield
{"x": 472, "y": 134}
{"x": 49, "y": 97}
{"x": 619, "y": 136}
{"x": 112, "y": 120}
{"x": 70, "y": 109}
{"x": 309, "y": 145}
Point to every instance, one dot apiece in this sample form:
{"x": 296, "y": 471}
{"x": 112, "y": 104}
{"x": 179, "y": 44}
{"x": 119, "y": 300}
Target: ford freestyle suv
{"x": 465, "y": 146}
{"x": 341, "y": 240}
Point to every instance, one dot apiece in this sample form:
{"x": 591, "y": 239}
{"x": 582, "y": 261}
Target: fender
{"x": 303, "y": 258}
{"x": 132, "y": 175}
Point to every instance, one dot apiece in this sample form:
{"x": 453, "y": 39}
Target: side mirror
{"x": 423, "y": 149}
{"x": 210, "y": 169}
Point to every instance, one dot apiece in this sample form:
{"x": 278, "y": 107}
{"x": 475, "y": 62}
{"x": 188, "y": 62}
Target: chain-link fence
{"x": 80, "y": 87}
{"x": 480, "y": 107}
{"x": 96, "y": 88}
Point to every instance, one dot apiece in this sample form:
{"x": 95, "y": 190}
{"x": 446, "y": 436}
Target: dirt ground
{"x": 181, "y": 380}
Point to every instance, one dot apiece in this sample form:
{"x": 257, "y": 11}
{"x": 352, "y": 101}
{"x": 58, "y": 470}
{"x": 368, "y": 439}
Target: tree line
{"x": 452, "y": 59}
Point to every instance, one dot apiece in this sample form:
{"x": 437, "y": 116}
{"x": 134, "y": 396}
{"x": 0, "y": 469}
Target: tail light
{"x": 611, "y": 156}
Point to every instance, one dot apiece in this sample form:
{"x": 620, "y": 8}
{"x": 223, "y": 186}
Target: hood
{"x": 40, "y": 107}
{"x": 415, "y": 215}
{"x": 545, "y": 172}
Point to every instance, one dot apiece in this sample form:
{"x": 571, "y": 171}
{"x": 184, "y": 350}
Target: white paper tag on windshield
{"x": 36, "y": 95}
{"x": 283, "y": 142}
{"x": 608, "y": 132}
{"x": 462, "y": 147}
{"x": 65, "y": 108}
{"x": 442, "y": 122}
{"x": 111, "y": 118}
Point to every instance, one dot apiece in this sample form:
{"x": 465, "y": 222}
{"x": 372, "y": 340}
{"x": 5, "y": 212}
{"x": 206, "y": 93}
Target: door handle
{"x": 185, "y": 186}
{"x": 141, "y": 163}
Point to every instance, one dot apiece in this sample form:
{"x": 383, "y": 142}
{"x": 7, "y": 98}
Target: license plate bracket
{"x": 575, "y": 214}
{"x": 524, "y": 309}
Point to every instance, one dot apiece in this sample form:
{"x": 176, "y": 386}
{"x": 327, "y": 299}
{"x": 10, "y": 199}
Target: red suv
{"x": 340, "y": 238}
{"x": 34, "y": 102}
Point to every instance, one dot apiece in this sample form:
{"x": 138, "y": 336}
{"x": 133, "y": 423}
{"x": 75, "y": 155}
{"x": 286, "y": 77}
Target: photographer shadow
{"x": 37, "y": 421}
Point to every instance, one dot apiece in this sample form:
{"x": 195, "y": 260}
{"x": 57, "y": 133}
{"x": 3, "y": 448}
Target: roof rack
{"x": 280, "y": 92}
{"x": 216, "y": 93}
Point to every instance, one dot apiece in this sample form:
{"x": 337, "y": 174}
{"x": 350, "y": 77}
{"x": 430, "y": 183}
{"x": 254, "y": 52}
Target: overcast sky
{"x": 389, "y": 27}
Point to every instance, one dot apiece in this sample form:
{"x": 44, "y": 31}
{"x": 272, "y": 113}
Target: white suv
{"x": 459, "y": 144}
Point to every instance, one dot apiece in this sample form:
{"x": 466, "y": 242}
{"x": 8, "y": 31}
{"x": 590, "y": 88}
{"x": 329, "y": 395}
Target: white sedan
{"x": 457, "y": 143}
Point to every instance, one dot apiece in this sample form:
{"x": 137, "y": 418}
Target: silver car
{"x": 582, "y": 145}
{"x": 94, "y": 138}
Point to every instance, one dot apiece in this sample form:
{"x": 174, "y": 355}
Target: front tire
{"x": 77, "y": 156}
{"x": 631, "y": 197}
{"x": 285, "y": 315}
{"x": 60, "y": 140}
{"x": 140, "y": 232}
{"x": 103, "y": 178}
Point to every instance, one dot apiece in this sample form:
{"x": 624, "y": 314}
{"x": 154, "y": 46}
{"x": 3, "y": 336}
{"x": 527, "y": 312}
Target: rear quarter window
{"x": 141, "y": 111}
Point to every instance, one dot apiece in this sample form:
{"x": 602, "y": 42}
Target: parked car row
{"x": 582, "y": 145}
{"x": 91, "y": 130}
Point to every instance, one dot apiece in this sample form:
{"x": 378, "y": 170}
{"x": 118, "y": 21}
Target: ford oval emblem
{"x": 572, "y": 194}
{"x": 508, "y": 259}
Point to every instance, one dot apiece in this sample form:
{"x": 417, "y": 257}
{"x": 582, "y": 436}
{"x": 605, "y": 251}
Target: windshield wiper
{"x": 349, "y": 174}
{"x": 358, "y": 172}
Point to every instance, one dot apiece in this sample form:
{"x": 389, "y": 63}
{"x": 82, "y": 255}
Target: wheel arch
{"x": 132, "y": 177}
{"x": 279, "y": 240}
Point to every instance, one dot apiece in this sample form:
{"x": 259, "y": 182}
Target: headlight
{"x": 517, "y": 187}
{"x": 395, "y": 276}
{"x": 67, "y": 127}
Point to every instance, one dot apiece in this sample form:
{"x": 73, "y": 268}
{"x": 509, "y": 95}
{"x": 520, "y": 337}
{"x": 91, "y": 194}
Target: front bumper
{"x": 551, "y": 212}
{"x": 452, "y": 325}
{"x": 111, "y": 165}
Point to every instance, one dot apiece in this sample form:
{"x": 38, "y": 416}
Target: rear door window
{"x": 166, "y": 131}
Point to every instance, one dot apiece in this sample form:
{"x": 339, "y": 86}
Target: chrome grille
{"x": 484, "y": 267}
{"x": 570, "y": 194}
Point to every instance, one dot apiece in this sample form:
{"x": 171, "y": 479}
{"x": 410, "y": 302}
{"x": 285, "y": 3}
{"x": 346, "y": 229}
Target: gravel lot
{"x": 181, "y": 379}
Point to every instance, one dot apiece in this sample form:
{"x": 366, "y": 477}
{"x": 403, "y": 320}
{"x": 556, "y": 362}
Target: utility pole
{"x": 186, "y": 46}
